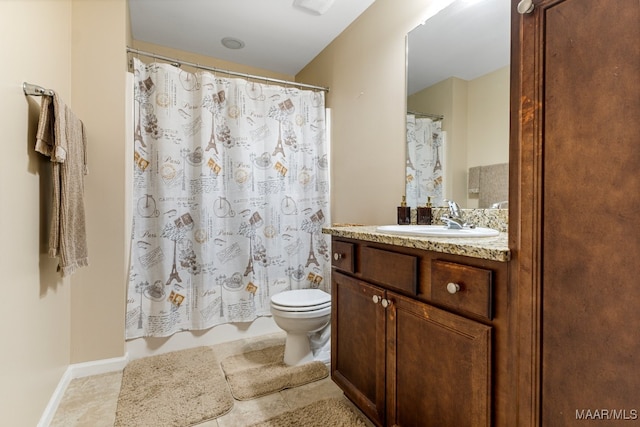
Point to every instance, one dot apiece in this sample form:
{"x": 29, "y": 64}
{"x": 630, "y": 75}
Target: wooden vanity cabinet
{"x": 403, "y": 352}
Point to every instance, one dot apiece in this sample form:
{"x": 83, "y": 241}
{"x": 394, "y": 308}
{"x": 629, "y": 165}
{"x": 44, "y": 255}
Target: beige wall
{"x": 488, "y": 119}
{"x": 36, "y": 47}
{"x": 98, "y": 72}
{"x": 365, "y": 71}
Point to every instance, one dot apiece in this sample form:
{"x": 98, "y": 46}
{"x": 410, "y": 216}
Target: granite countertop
{"x": 491, "y": 248}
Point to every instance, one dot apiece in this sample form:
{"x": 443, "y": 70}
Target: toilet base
{"x": 297, "y": 350}
{"x": 320, "y": 343}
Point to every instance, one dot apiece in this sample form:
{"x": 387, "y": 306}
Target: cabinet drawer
{"x": 391, "y": 269}
{"x": 462, "y": 287}
{"x": 343, "y": 256}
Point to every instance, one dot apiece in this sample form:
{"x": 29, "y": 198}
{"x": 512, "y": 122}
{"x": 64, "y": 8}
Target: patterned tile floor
{"x": 92, "y": 401}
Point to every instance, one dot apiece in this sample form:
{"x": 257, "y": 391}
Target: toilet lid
{"x": 301, "y": 298}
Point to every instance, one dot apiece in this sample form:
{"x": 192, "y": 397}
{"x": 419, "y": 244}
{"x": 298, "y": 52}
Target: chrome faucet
{"x": 454, "y": 219}
{"x": 454, "y": 209}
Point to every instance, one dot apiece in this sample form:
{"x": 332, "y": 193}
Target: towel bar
{"x": 35, "y": 90}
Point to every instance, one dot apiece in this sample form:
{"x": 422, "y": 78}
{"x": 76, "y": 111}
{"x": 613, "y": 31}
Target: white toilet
{"x": 300, "y": 313}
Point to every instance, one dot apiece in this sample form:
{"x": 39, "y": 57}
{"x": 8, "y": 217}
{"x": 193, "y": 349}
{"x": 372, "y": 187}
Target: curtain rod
{"x": 178, "y": 62}
{"x": 429, "y": 115}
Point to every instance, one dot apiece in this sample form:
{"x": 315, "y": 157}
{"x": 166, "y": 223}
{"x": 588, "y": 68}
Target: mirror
{"x": 458, "y": 105}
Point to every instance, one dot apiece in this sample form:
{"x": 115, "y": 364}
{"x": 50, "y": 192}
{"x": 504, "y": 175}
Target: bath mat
{"x": 329, "y": 412}
{"x": 181, "y": 388}
{"x": 261, "y": 372}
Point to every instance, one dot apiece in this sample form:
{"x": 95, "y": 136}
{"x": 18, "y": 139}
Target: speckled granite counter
{"x": 491, "y": 248}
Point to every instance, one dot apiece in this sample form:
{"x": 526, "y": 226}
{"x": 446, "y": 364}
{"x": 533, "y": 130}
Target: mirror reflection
{"x": 458, "y": 106}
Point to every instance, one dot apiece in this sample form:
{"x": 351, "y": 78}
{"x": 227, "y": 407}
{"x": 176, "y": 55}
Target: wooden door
{"x": 438, "y": 367}
{"x": 576, "y": 202}
{"x": 358, "y": 344}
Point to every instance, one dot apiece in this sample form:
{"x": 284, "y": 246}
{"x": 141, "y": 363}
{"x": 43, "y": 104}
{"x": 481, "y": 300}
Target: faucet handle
{"x": 454, "y": 209}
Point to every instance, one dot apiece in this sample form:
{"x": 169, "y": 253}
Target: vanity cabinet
{"x": 416, "y": 335}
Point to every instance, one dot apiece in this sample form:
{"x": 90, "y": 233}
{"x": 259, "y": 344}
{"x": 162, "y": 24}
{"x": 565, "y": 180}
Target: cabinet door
{"x": 576, "y": 213}
{"x": 438, "y": 367}
{"x": 590, "y": 292}
{"x": 358, "y": 349}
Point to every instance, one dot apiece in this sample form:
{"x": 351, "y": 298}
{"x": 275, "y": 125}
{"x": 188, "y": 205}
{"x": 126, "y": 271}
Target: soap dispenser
{"x": 404, "y": 212}
{"x": 424, "y": 213}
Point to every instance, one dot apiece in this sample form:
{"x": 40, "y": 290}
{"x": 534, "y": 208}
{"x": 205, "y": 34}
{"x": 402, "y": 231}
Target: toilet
{"x": 305, "y": 315}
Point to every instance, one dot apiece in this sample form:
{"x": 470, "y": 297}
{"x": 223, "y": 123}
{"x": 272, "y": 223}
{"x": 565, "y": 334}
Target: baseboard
{"x": 79, "y": 370}
{"x": 97, "y": 367}
{"x": 56, "y": 398}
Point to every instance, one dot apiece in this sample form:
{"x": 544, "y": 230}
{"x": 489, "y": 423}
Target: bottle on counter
{"x": 404, "y": 212}
{"x": 424, "y": 216}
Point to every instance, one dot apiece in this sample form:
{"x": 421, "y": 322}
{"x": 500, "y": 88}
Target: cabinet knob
{"x": 376, "y": 299}
{"x": 386, "y": 302}
{"x": 337, "y": 256}
{"x": 525, "y": 6}
{"x": 452, "y": 288}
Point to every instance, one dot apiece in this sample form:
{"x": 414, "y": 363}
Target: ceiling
{"x": 278, "y": 36}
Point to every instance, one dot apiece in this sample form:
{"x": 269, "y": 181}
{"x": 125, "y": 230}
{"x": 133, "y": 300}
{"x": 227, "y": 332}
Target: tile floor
{"x": 92, "y": 401}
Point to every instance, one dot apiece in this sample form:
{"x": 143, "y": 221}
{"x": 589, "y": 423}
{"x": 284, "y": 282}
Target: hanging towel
{"x": 62, "y": 138}
{"x": 494, "y": 185}
{"x": 473, "y": 184}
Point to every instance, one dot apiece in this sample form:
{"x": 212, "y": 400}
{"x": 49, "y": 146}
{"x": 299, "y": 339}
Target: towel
{"x": 494, "y": 185}
{"x": 473, "y": 185}
{"x": 61, "y": 137}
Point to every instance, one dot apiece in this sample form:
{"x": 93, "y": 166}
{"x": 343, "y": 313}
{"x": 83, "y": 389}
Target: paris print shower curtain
{"x": 425, "y": 161}
{"x": 231, "y": 191}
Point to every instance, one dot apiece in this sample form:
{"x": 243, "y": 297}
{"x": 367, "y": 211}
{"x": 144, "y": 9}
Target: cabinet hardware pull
{"x": 376, "y": 299}
{"x": 525, "y": 6}
{"x": 452, "y": 288}
{"x": 337, "y": 256}
{"x": 386, "y": 302}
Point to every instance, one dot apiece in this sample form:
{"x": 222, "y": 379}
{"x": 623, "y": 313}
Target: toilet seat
{"x": 300, "y": 298}
{"x": 289, "y": 313}
{"x": 307, "y": 309}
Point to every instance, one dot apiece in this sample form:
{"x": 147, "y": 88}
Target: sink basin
{"x": 437, "y": 231}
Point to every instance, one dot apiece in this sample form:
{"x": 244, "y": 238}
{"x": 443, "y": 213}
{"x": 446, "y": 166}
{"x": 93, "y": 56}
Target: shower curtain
{"x": 231, "y": 191}
{"x": 425, "y": 161}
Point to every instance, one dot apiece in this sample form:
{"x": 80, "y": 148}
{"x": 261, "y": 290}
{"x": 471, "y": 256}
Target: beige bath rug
{"x": 330, "y": 412}
{"x": 181, "y": 388}
{"x": 261, "y": 372}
